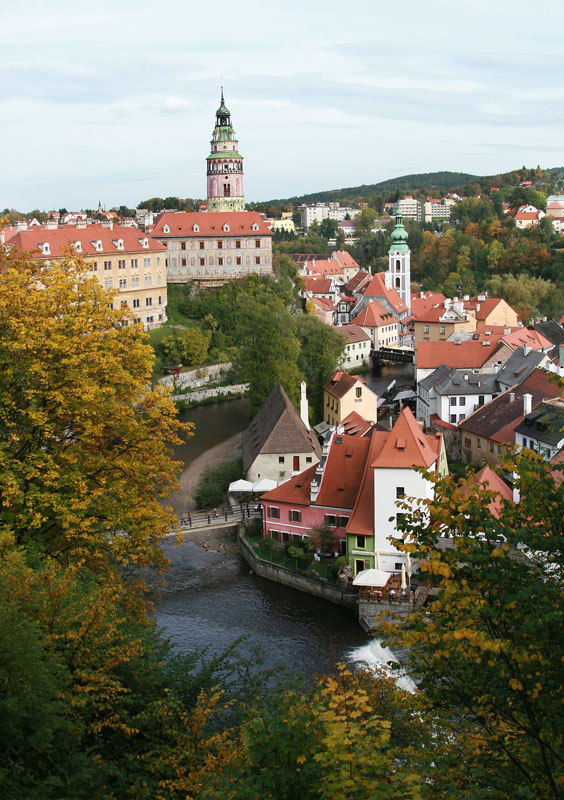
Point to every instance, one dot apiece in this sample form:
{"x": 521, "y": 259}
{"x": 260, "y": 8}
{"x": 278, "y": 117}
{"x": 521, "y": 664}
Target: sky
{"x": 116, "y": 100}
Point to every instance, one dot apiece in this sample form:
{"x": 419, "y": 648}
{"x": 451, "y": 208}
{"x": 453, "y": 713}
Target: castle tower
{"x": 399, "y": 260}
{"x": 225, "y": 166}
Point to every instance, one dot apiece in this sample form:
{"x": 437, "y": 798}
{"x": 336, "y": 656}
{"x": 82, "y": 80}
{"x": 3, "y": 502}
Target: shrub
{"x": 215, "y": 481}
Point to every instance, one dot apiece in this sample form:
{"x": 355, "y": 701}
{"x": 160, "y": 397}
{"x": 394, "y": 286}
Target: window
{"x": 481, "y": 399}
{"x": 467, "y": 442}
{"x": 330, "y": 520}
{"x": 443, "y": 328}
{"x": 461, "y": 401}
{"x": 400, "y": 519}
{"x": 160, "y": 300}
{"x": 426, "y": 329}
{"x": 220, "y": 261}
{"x": 123, "y": 283}
{"x": 361, "y": 542}
{"x": 295, "y": 516}
{"x": 238, "y": 261}
{"x": 134, "y": 263}
{"x": 453, "y": 419}
{"x": 309, "y": 459}
{"x": 150, "y": 319}
{"x": 202, "y": 245}
{"x": 121, "y": 263}
{"x": 479, "y": 443}
{"x": 257, "y": 242}
{"x": 136, "y": 302}
{"x": 491, "y": 447}
{"x": 147, "y": 262}
{"x": 220, "y": 245}
{"x": 107, "y": 264}
{"x": 359, "y": 391}
{"x": 135, "y": 282}
{"x": 257, "y": 259}
{"x": 238, "y": 244}
{"x": 148, "y": 280}
{"x": 107, "y": 283}
{"x": 148, "y": 301}
{"x": 158, "y": 261}
{"x": 296, "y": 464}
{"x": 183, "y": 245}
{"x": 400, "y": 492}
{"x": 94, "y": 266}
{"x": 453, "y": 401}
{"x": 342, "y": 522}
{"x": 280, "y": 459}
{"x": 184, "y": 262}
{"x": 273, "y": 512}
{"x": 202, "y": 261}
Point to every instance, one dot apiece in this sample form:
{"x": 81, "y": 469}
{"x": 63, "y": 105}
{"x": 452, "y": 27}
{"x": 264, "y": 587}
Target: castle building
{"x": 225, "y": 166}
{"x": 398, "y": 276}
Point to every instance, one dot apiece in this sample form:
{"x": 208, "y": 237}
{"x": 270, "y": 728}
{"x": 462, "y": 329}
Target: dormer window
{"x": 166, "y": 228}
{"x": 119, "y": 244}
{"x": 196, "y": 227}
{"x": 255, "y": 226}
{"x": 226, "y": 227}
{"x": 144, "y": 242}
{"x": 46, "y": 249}
{"x": 98, "y": 245}
{"x": 78, "y": 247}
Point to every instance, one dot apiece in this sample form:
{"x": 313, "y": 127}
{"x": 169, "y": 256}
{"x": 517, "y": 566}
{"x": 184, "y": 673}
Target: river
{"x": 209, "y": 599}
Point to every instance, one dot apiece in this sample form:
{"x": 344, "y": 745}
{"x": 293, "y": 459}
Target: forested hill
{"x": 441, "y": 181}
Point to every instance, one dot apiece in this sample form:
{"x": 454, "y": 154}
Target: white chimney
{"x": 304, "y": 409}
{"x": 526, "y": 350}
{"x": 511, "y": 396}
{"x": 527, "y": 404}
{"x": 313, "y": 490}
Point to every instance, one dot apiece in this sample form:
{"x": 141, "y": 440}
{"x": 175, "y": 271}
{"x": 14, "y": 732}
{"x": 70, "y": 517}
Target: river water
{"x": 210, "y": 599}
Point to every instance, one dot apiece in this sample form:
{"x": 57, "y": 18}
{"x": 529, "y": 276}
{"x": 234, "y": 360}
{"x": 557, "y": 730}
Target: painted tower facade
{"x": 225, "y": 166}
{"x": 399, "y": 262}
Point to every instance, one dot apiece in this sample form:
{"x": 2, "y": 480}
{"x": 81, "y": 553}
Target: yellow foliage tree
{"x": 84, "y": 439}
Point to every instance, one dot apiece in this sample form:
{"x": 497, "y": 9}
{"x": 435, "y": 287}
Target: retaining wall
{"x": 318, "y": 588}
{"x": 194, "y": 378}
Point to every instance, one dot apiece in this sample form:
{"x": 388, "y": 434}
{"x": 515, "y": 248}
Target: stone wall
{"x": 194, "y": 378}
{"x": 318, "y": 588}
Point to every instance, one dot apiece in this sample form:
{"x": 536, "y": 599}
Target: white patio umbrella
{"x": 409, "y": 568}
{"x": 403, "y": 577}
{"x": 264, "y": 485}
{"x": 371, "y": 577}
{"x": 240, "y": 486}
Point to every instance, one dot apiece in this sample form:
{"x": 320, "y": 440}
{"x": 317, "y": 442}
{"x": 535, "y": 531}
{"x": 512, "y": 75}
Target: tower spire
{"x": 224, "y": 165}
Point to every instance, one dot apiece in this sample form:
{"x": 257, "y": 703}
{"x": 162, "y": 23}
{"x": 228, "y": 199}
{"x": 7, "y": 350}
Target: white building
{"x": 410, "y": 208}
{"x": 322, "y": 211}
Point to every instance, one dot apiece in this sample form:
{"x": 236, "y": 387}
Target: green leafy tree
{"x": 321, "y": 347}
{"x": 268, "y": 347}
{"x": 328, "y": 228}
{"x": 488, "y": 653}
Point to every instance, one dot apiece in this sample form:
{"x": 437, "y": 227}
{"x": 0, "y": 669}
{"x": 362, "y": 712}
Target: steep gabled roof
{"x": 295, "y": 490}
{"x": 374, "y": 315}
{"x": 353, "y": 333}
{"x": 362, "y": 518}
{"x": 377, "y": 288}
{"x": 360, "y": 279}
{"x": 210, "y": 223}
{"x": 493, "y": 483}
{"x": 343, "y": 471}
{"x": 407, "y": 445}
{"x": 64, "y": 238}
{"x": 355, "y": 425}
{"x": 316, "y": 285}
{"x": 551, "y": 330}
{"x": 277, "y": 428}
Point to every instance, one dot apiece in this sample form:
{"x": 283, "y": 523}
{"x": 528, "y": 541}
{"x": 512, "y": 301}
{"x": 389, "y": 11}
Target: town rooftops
{"x": 341, "y": 383}
{"x": 377, "y": 288}
{"x": 421, "y": 303}
{"x": 463, "y": 382}
{"x": 353, "y": 333}
{"x": 374, "y": 315}
{"x": 551, "y": 330}
{"x": 210, "y": 223}
{"x": 316, "y": 285}
{"x": 544, "y": 423}
{"x": 407, "y": 446}
{"x": 277, "y": 428}
{"x": 358, "y": 281}
{"x": 488, "y": 479}
{"x": 90, "y": 240}
{"x": 498, "y": 419}
{"x": 520, "y": 365}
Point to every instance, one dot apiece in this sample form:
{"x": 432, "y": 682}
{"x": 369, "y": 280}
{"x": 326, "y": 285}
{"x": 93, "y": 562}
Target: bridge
{"x": 383, "y": 354}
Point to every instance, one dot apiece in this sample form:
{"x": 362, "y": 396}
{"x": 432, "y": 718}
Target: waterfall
{"x": 377, "y": 657}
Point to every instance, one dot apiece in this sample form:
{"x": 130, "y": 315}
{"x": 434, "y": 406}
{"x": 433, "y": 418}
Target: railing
{"x": 274, "y": 554}
{"x": 219, "y": 516}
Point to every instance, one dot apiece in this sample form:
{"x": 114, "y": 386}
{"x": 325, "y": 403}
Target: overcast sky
{"x": 117, "y": 101}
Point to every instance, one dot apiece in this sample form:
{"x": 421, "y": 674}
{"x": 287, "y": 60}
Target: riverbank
{"x": 182, "y": 499}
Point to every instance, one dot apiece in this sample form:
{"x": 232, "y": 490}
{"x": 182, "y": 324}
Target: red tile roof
{"x": 471, "y": 354}
{"x": 343, "y": 471}
{"x": 295, "y": 490}
{"x": 362, "y": 518}
{"x": 355, "y": 425}
{"x": 324, "y": 303}
{"x": 525, "y": 337}
{"x": 374, "y": 315}
{"x": 493, "y": 483}
{"x": 407, "y": 445}
{"x": 210, "y": 223}
{"x": 357, "y": 280}
{"x": 316, "y": 285}
{"x": 419, "y": 304}
{"x": 323, "y": 267}
{"x": 65, "y": 237}
{"x": 377, "y": 288}
{"x": 345, "y": 259}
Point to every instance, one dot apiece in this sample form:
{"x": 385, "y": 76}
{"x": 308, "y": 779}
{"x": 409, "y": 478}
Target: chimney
{"x": 304, "y": 409}
{"x": 477, "y": 306}
{"x": 313, "y": 489}
{"x": 506, "y": 331}
{"x": 526, "y": 350}
{"x": 511, "y": 396}
{"x": 527, "y": 404}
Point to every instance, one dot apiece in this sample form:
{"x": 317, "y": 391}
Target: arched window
{"x": 398, "y": 265}
{"x": 398, "y": 283}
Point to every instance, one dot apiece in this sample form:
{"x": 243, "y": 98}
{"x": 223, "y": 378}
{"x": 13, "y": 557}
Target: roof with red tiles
{"x": 345, "y": 259}
{"x": 420, "y": 305}
{"x": 482, "y": 308}
{"x": 407, "y": 445}
{"x": 493, "y": 483}
{"x": 343, "y": 471}
{"x": 525, "y": 337}
{"x": 353, "y": 333}
{"x": 294, "y": 491}
{"x": 361, "y": 521}
{"x": 324, "y": 303}
{"x": 316, "y": 285}
{"x": 374, "y": 315}
{"x": 341, "y": 383}
{"x": 526, "y": 215}
{"x": 65, "y": 237}
{"x": 471, "y": 354}
{"x": 360, "y": 279}
{"x": 355, "y": 425}
{"x": 377, "y": 288}
{"x": 210, "y": 223}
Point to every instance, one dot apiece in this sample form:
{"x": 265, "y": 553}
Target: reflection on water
{"x": 210, "y": 599}
{"x": 213, "y": 424}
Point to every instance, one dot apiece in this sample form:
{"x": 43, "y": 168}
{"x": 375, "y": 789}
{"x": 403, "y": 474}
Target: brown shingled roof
{"x": 277, "y": 428}
{"x": 340, "y": 383}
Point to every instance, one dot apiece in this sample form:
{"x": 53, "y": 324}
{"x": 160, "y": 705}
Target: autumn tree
{"x": 321, "y": 347}
{"x": 489, "y": 651}
{"x": 84, "y": 440}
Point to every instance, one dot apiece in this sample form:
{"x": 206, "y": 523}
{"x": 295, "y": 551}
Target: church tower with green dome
{"x": 225, "y": 166}
{"x": 398, "y": 276}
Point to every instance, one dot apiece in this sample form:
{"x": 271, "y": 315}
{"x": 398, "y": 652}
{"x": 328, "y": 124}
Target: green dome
{"x": 222, "y": 111}
{"x": 399, "y": 234}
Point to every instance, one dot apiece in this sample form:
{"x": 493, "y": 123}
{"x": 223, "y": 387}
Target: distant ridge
{"x": 441, "y": 181}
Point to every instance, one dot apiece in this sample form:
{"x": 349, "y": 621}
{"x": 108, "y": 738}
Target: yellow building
{"x": 121, "y": 258}
{"x": 344, "y": 393}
